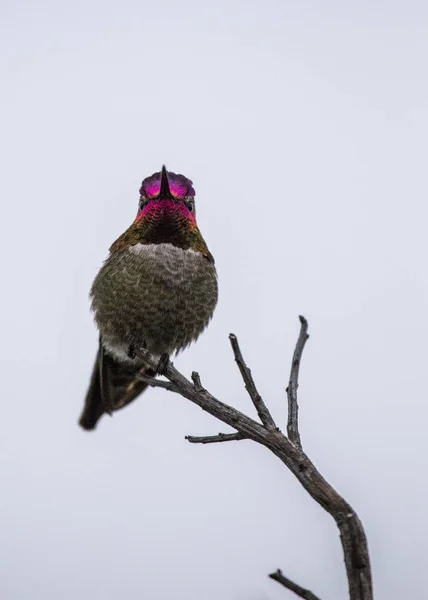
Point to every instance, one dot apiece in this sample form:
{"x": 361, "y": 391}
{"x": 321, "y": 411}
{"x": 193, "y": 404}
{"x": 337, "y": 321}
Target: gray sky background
{"x": 304, "y": 127}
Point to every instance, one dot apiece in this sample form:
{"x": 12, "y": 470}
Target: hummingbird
{"x": 157, "y": 290}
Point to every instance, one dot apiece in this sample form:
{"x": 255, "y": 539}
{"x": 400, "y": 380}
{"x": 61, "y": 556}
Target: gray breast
{"x": 157, "y": 294}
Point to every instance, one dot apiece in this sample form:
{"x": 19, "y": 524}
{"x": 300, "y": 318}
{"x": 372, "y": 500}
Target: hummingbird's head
{"x": 166, "y": 215}
{"x": 165, "y": 194}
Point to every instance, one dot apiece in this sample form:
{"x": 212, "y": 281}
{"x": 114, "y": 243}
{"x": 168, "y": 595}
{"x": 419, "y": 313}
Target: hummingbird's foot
{"x": 131, "y": 352}
{"x": 162, "y": 364}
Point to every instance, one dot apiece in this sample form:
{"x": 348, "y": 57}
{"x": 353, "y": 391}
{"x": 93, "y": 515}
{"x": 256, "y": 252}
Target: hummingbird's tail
{"x": 113, "y": 385}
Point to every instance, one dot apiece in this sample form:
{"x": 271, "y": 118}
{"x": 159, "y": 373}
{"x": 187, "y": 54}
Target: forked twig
{"x": 287, "y": 449}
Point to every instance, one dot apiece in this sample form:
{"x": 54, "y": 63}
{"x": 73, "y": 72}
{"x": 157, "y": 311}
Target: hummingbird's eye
{"x": 190, "y": 203}
{"x": 142, "y": 203}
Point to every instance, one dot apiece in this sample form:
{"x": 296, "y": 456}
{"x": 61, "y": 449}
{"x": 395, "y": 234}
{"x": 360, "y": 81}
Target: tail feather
{"x": 113, "y": 386}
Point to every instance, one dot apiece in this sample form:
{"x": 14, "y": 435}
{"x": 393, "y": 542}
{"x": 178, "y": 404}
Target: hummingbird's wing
{"x": 113, "y": 385}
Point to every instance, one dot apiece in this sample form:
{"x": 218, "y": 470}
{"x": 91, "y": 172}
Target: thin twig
{"x": 211, "y": 439}
{"x": 197, "y": 382}
{"x": 293, "y": 407}
{"x": 250, "y": 386}
{"x": 159, "y": 383}
{"x": 294, "y": 587}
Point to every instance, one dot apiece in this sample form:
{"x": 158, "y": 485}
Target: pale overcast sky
{"x": 304, "y": 127}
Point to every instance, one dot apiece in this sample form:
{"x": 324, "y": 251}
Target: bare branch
{"x": 250, "y": 386}
{"x": 352, "y": 535}
{"x": 290, "y": 585}
{"x": 293, "y": 407}
{"x": 211, "y": 439}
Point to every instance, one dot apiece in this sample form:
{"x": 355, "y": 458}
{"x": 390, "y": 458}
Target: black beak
{"x": 165, "y": 192}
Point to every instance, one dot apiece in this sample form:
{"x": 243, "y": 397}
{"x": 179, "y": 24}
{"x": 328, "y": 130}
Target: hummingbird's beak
{"x": 165, "y": 192}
